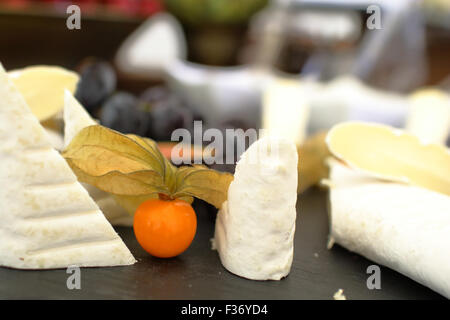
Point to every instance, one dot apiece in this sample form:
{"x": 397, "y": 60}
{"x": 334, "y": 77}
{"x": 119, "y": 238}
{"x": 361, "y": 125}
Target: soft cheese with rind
{"x": 47, "y": 219}
{"x": 255, "y": 227}
{"x": 403, "y": 227}
{"x": 76, "y": 118}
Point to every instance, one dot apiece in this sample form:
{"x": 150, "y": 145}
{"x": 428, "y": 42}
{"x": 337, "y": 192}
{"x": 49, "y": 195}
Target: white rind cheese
{"x": 403, "y": 227}
{"x": 115, "y": 214}
{"x": 255, "y": 227}
{"x": 47, "y": 219}
{"x": 76, "y": 118}
{"x": 56, "y": 139}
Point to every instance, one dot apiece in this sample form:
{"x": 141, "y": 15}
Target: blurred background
{"x": 292, "y": 66}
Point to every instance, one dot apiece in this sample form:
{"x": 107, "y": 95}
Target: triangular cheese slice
{"x": 47, "y": 219}
{"x": 76, "y": 118}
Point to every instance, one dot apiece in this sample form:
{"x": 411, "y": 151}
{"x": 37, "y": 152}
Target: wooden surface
{"x": 317, "y": 273}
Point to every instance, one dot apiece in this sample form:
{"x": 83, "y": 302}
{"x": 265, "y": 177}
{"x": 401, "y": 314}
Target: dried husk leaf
{"x": 115, "y": 182}
{"x": 311, "y": 165}
{"x": 391, "y": 154}
{"x": 203, "y": 183}
{"x": 115, "y": 163}
{"x": 121, "y": 145}
{"x": 168, "y": 169}
{"x": 133, "y": 169}
{"x": 131, "y": 203}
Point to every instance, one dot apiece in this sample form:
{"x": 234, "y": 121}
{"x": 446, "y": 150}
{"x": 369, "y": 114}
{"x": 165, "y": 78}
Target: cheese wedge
{"x": 56, "y": 139}
{"x": 403, "y": 227}
{"x": 77, "y": 118}
{"x": 255, "y": 227}
{"x": 47, "y": 219}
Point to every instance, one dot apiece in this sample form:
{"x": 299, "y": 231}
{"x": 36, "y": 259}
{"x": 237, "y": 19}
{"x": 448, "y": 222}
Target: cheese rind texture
{"x": 254, "y": 233}
{"x": 47, "y": 219}
{"x": 76, "y": 118}
{"x": 403, "y": 227}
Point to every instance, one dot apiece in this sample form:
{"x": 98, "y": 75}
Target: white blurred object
{"x": 347, "y": 98}
{"x": 218, "y": 93}
{"x": 158, "y": 42}
{"x": 327, "y": 26}
{"x": 222, "y": 94}
{"x": 286, "y": 109}
{"x": 429, "y": 116}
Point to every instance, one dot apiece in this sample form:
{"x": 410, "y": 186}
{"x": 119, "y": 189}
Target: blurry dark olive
{"x": 121, "y": 112}
{"x": 97, "y": 83}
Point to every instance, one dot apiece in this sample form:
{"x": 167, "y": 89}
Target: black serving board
{"x": 317, "y": 273}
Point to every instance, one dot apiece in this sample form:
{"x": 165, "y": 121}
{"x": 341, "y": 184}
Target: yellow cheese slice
{"x": 391, "y": 154}
{"x": 43, "y": 88}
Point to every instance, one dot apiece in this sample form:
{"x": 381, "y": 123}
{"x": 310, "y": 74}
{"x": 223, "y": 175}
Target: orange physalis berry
{"x": 165, "y": 228}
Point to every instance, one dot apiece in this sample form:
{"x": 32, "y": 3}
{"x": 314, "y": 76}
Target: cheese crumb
{"x": 330, "y": 242}
{"x": 213, "y": 244}
{"x": 339, "y": 295}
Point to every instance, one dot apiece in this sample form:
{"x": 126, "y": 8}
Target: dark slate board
{"x": 198, "y": 273}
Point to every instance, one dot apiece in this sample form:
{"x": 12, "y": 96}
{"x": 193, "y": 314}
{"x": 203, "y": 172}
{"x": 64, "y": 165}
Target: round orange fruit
{"x": 165, "y": 228}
